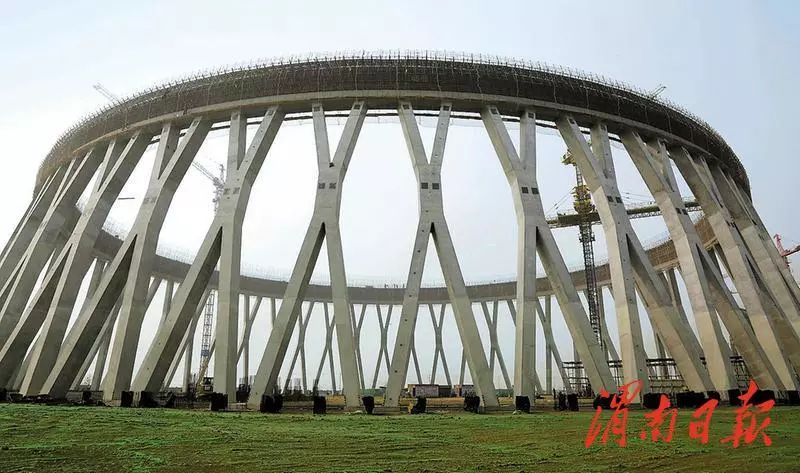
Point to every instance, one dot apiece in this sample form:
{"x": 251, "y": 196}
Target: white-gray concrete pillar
{"x": 757, "y": 339}
{"x": 536, "y": 237}
{"x": 631, "y": 268}
{"x": 432, "y": 223}
{"x": 222, "y": 244}
{"x": 129, "y": 271}
{"x": 655, "y": 168}
{"x": 324, "y": 226}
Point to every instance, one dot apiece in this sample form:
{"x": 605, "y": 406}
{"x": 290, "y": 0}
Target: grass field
{"x": 42, "y": 438}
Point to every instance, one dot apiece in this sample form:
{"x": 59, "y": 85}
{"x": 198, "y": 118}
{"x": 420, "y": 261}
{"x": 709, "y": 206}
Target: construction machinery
{"x": 211, "y": 303}
{"x": 584, "y": 208}
{"x": 785, "y": 253}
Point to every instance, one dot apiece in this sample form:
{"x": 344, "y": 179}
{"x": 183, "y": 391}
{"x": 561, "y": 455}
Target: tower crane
{"x": 208, "y": 316}
{"x": 219, "y": 186}
{"x": 585, "y": 208}
{"x": 783, "y": 251}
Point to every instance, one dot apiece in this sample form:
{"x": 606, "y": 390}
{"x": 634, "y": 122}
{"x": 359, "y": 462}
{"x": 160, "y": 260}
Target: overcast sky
{"x": 730, "y": 62}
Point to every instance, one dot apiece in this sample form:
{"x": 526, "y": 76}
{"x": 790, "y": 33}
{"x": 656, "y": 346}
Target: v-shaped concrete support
{"x": 494, "y": 344}
{"x": 655, "y": 168}
{"x": 51, "y": 307}
{"x": 129, "y": 272}
{"x": 432, "y": 223}
{"x": 222, "y": 244}
{"x": 776, "y": 275}
{"x": 631, "y": 268}
{"x": 300, "y": 349}
{"x": 324, "y": 226}
{"x": 17, "y": 288}
{"x": 535, "y": 237}
{"x": 765, "y": 358}
{"x": 383, "y": 351}
{"x": 439, "y": 348}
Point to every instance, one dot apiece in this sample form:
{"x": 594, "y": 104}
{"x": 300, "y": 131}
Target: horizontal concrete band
{"x": 663, "y": 257}
{"x": 382, "y": 81}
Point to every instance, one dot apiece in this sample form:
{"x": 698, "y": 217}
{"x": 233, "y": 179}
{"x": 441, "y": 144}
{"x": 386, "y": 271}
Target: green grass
{"x": 41, "y": 438}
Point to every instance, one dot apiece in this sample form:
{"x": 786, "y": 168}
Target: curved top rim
{"x": 63, "y": 144}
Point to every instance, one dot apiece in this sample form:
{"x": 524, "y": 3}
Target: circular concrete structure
{"x": 39, "y": 354}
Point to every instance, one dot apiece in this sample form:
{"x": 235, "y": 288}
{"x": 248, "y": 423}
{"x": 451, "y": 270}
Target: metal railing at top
{"x": 413, "y": 55}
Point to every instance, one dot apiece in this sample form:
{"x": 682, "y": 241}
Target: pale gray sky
{"x": 730, "y": 62}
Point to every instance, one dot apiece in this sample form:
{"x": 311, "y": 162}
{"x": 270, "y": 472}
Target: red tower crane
{"x": 783, "y": 251}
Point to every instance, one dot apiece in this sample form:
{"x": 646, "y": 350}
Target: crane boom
{"x": 105, "y": 92}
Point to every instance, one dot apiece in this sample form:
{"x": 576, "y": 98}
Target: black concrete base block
{"x": 86, "y": 396}
{"x": 369, "y": 404}
{"x": 472, "y": 403}
{"x": 126, "y": 399}
{"x": 572, "y": 402}
{"x": 271, "y": 404}
{"x": 170, "y": 401}
{"x": 147, "y": 399}
{"x": 562, "y": 402}
{"x": 793, "y": 398}
{"x": 419, "y": 406}
{"x": 690, "y": 400}
{"x": 522, "y": 403}
{"x": 219, "y": 401}
{"x": 3, "y": 395}
{"x": 651, "y": 400}
{"x": 41, "y": 399}
{"x": 762, "y": 395}
{"x": 320, "y": 405}
{"x": 714, "y": 395}
{"x": 733, "y": 397}
{"x": 602, "y": 402}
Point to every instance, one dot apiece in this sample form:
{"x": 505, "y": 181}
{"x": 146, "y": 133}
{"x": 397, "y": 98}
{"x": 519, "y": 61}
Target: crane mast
{"x": 585, "y": 208}
{"x": 211, "y": 302}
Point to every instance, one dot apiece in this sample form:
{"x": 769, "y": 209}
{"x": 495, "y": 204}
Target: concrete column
{"x": 439, "y": 345}
{"x": 463, "y": 367}
{"x": 756, "y": 339}
{"x": 324, "y": 225}
{"x": 383, "y": 351}
{"x": 102, "y": 349}
{"x": 655, "y": 168}
{"x": 357, "y": 324}
{"x": 611, "y": 349}
{"x": 16, "y": 289}
{"x": 416, "y": 362}
{"x": 327, "y": 352}
{"x": 432, "y": 223}
{"x": 513, "y": 312}
{"x": 187, "y": 348}
{"x": 535, "y": 237}
{"x": 244, "y": 346}
{"x": 547, "y": 327}
{"x": 169, "y": 289}
{"x": 300, "y": 349}
{"x": 102, "y": 343}
{"x": 28, "y": 226}
{"x": 631, "y": 268}
{"x": 494, "y": 344}
{"x": 221, "y": 244}
{"x": 129, "y": 271}
{"x": 775, "y": 274}
{"x": 97, "y": 273}
{"x": 51, "y": 307}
